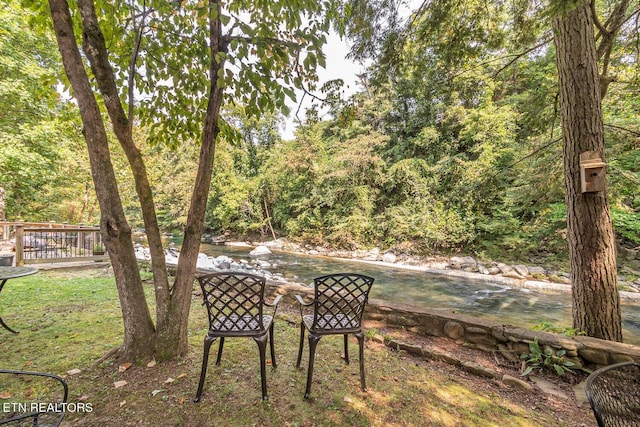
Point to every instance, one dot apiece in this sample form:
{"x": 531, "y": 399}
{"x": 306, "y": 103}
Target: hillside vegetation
{"x": 451, "y": 144}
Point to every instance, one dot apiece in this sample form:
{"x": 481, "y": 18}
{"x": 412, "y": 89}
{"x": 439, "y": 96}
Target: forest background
{"x": 452, "y": 144}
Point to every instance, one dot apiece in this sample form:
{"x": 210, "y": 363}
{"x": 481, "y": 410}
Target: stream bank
{"x": 517, "y": 275}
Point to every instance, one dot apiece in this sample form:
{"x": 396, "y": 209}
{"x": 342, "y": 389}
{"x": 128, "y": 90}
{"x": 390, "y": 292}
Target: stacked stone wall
{"x": 509, "y": 341}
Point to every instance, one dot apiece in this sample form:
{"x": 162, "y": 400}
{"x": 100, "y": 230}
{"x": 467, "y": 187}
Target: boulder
{"x": 260, "y": 250}
{"x": 462, "y": 262}
{"x": 521, "y": 270}
{"x": 389, "y": 257}
{"x": 504, "y": 268}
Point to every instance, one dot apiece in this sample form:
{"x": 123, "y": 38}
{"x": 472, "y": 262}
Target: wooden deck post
{"x": 19, "y": 245}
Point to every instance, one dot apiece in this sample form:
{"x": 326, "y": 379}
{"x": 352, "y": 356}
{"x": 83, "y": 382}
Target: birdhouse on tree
{"x": 592, "y": 172}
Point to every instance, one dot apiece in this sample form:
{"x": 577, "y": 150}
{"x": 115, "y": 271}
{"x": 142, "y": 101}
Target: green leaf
{"x": 527, "y": 371}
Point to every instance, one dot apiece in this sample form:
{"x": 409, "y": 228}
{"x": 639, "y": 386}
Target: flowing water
{"x": 515, "y": 306}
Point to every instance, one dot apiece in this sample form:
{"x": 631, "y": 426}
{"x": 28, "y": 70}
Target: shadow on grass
{"x": 69, "y": 321}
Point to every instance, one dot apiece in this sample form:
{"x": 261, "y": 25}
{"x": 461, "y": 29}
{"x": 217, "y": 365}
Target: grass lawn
{"x": 70, "y": 320}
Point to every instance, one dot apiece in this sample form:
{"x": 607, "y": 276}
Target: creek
{"x": 509, "y": 305}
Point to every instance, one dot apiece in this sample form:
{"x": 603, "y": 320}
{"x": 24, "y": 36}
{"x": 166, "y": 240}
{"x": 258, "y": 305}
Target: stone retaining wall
{"x": 510, "y": 341}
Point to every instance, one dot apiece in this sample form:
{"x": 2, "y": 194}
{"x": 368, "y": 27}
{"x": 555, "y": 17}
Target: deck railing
{"x": 51, "y": 242}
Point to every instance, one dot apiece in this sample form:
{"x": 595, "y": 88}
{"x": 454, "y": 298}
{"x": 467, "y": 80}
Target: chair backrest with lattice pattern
{"x": 614, "y": 394}
{"x": 340, "y": 300}
{"x": 234, "y": 301}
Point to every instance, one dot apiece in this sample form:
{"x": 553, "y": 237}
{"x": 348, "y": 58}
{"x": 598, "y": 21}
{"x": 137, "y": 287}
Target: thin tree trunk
{"x": 596, "y": 302}
{"x": 181, "y": 293}
{"x": 116, "y": 233}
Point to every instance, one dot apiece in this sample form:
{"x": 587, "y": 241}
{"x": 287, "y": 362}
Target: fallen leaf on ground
{"x": 123, "y": 403}
{"x": 74, "y": 371}
{"x": 348, "y": 399}
{"x": 154, "y": 392}
{"x": 169, "y": 380}
{"x": 181, "y": 400}
{"x": 182, "y": 375}
{"x": 5, "y": 395}
{"x": 124, "y": 367}
{"x": 151, "y": 364}
{"x": 119, "y": 384}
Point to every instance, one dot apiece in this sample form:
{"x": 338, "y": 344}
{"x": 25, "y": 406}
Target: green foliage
{"x": 43, "y": 172}
{"x": 453, "y": 144}
{"x": 541, "y": 359}
{"x": 549, "y": 327}
{"x": 626, "y": 223}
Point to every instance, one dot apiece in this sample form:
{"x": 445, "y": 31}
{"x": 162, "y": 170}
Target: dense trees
{"x": 454, "y": 142}
{"x": 40, "y": 177}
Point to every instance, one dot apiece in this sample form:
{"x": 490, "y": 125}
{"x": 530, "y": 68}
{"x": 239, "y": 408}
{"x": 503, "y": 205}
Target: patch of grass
{"x": 70, "y": 320}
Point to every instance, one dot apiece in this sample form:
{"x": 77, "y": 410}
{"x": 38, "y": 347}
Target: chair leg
{"x": 313, "y": 342}
{"x": 360, "y": 337}
{"x": 262, "y": 346}
{"x": 346, "y": 348}
{"x": 220, "y": 351}
{"x": 203, "y": 372}
{"x": 301, "y": 345}
{"x": 271, "y": 345}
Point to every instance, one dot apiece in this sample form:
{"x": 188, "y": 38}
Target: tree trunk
{"x": 97, "y": 53}
{"x": 596, "y": 301}
{"x": 116, "y": 233}
{"x": 183, "y": 285}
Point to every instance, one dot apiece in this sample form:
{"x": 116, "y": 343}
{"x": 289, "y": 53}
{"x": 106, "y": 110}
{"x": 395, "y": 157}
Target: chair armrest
{"x": 35, "y": 415}
{"x": 274, "y": 303}
{"x": 303, "y": 304}
{"x": 301, "y": 301}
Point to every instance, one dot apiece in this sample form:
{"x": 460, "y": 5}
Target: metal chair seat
{"x": 243, "y": 325}
{"x": 614, "y": 394}
{"x": 332, "y": 324}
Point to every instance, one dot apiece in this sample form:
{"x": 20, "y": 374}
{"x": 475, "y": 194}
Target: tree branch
{"x": 596, "y": 21}
{"x": 517, "y": 56}
{"x": 633, "y": 132}
{"x": 134, "y": 57}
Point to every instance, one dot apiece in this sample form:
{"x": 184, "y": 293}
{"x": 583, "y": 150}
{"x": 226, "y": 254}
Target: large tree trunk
{"x": 172, "y": 303}
{"x": 596, "y": 302}
{"x": 116, "y": 233}
{"x": 97, "y": 53}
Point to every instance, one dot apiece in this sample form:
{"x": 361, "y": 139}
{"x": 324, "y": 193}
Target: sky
{"x": 338, "y": 67}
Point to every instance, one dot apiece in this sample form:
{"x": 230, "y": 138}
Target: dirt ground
{"x": 572, "y": 410}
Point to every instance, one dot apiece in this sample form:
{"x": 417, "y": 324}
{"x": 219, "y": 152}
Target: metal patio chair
{"x": 614, "y": 394}
{"x": 23, "y": 413}
{"x": 338, "y": 305}
{"x": 234, "y": 303}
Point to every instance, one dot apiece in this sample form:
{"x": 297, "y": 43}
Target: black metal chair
{"x": 31, "y": 413}
{"x": 338, "y": 305}
{"x": 614, "y": 394}
{"x": 234, "y": 304}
